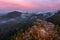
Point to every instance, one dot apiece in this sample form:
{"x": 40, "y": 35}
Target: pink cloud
{"x": 4, "y": 5}
{"x": 29, "y": 4}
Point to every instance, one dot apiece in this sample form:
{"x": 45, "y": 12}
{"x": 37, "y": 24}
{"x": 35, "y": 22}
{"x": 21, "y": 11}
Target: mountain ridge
{"x": 55, "y": 18}
{"x": 32, "y": 21}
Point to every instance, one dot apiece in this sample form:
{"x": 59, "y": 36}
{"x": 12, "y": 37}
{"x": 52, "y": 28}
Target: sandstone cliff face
{"x": 41, "y": 30}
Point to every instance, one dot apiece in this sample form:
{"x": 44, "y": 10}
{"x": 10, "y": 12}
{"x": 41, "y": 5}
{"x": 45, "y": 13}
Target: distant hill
{"x": 55, "y": 18}
{"x": 43, "y": 16}
{"x": 16, "y": 17}
{"x": 13, "y": 14}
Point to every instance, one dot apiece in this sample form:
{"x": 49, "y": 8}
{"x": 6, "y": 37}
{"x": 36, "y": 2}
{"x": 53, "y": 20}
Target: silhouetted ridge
{"x": 55, "y": 18}
{"x": 58, "y": 12}
{"x": 13, "y": 14}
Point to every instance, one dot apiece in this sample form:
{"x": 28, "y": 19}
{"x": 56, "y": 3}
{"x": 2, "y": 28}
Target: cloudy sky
{"x": 29, "y": 5}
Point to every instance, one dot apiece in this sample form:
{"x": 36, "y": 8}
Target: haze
{"x": 29, "y": 5}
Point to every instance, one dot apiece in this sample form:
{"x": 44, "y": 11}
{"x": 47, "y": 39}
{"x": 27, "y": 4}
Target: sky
{"x": 29, "y": 5}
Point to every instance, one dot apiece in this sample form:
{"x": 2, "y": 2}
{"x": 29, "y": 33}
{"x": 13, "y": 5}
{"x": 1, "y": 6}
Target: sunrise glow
{"x": 29, "y": 4}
